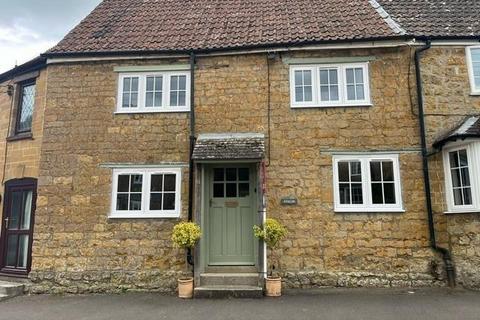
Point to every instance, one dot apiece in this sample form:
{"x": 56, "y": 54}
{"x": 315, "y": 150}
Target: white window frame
{"x": 342, "y": 86}
{"x": 473, "y": 153}
{"x": 367, "y": 205}
{"x": 474, "y": 90}
{"x": 146, "y": 213}
{"x": 142, "y": 86}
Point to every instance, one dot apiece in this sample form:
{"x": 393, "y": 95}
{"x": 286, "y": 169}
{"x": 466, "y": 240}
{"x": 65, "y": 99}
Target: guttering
{"x": 449, "y": 267}
{"x": 386, "y": 42}
{"x": 172, "y": 54}
{"x": 192, "y": 145}
{"x": 448, "y": 40}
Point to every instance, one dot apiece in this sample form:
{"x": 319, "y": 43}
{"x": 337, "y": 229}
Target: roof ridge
{"x": 395, "y": 26}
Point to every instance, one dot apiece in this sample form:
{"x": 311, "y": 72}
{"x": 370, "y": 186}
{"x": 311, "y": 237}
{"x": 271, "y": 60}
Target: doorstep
{"x": 226, "y": 292}
{"x": 229, "y": 285}
{"x": 10, "y": 289}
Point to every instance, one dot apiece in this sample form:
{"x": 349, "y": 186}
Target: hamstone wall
{"x": 447, "y": 103}
{"x": 78, "y": 249}
{"x": 20, "y": 159}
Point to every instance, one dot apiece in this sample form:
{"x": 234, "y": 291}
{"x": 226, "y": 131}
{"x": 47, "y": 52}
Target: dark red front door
{"x": 17, "y": 226}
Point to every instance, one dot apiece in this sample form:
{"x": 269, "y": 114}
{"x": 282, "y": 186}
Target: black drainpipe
{"x": 192, "y": 145}
{"x": 426, "y": 175}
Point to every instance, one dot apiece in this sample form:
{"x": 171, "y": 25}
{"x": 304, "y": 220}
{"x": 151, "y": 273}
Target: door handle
{"x": 6, "y": 222}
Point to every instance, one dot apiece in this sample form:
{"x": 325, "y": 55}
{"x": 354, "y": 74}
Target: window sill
{"x": 171, "y": 110}
{"x": 369, "y": 210}
{"x": 20, "y": 136}
{"x": 475, "y": 93}
{"x": 359, "y": 105}
{"x": 462, "y": 211}
{"x": 144, "y": 216}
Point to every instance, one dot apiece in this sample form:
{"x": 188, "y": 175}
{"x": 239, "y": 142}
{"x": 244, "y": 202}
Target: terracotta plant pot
{"x": 273, "y": 286}
{"x": 185, "y": 288}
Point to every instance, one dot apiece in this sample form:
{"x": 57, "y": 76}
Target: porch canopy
{"x": 469, "y": 128}
{"x": 229, "y": 146}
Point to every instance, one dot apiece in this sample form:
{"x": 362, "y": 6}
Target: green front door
{"x": 231, "y": 213}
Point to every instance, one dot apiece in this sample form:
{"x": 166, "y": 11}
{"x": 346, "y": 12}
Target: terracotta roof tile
{"x": 178, "y": 25}
{"x": 436, "y": 18}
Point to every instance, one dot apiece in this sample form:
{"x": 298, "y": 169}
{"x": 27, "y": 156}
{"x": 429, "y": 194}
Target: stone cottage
{"x": 355, "y": 125}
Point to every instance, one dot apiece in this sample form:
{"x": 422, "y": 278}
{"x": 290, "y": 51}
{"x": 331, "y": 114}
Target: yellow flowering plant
{"x": 271, "y": 233}
{"x": 186, "y": 235}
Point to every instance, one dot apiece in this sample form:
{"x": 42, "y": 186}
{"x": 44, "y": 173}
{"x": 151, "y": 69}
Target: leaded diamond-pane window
{"x": 25, "y": 108}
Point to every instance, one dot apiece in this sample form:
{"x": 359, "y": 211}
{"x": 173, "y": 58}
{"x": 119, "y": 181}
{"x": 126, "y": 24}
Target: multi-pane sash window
{"x": 355, "y": 84}
{"x": 26, "y": 104}
{"x": 154, "y": 92}
{"x": 162, "y": 191}
{"x": 303, "y": 86}
{"x": 473, "y": 59}
{"x": 329, "y": 85}
{"x": 382, "y": 182}
{"x": 329, "y": 89}
{"x": 350, "y": 182}
{"x": 367, "y": 183}
{"x": 146, "y": 193}
{"x": 130, "y": 92}
{"x": 460, "y": 173}
{"x": 462, "y": 177}
{"x": 178, "y": 90}
{"x": 129, "y": 192}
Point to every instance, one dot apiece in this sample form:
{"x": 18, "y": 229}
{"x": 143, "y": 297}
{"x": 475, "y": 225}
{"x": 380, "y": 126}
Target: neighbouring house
{"x": 450, "y": 69}
{"x": 354, "y": 123}
{"x": 22, "y": 109}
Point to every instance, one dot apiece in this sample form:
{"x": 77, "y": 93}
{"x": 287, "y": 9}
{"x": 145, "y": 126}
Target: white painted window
{"x": 303, "y": 86}
{"x": 337, "y": 85}
{"x": 329, "y": 89}
{"x": 129, "y": 92}
{"x": 462, "y": 176}
{"x": 146, "y": 193}
{"x": 367, "y": 183}
{"x": 178, "y": 90}
{"x": 473, "y": 61}
{"x": 154, "y": 92}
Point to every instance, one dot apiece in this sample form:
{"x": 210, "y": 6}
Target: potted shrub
{"x": 271, "y": 233}
{"x": 186, "y": 235}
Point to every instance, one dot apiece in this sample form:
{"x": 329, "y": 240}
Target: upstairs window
{"x": 303, "y": 86}
{"x": 146, "y": 193}
{"x": 329, "y": 85}
{"x": 473, "y": 60}
{"x": 462, "y": 177}
{"x": 26, "y": 103}
{"x": 367, "y": 183}
{"x": 130, "y": 92}
{"x": 178, "y": 90}
{"x": 153, "y": 92}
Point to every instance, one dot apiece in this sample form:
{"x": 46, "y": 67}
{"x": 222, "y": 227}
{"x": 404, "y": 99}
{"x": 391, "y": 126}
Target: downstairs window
{"x": 367, "y": 183}
{"x": 146, "y": 193}
{"x": 462, "y": 177}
